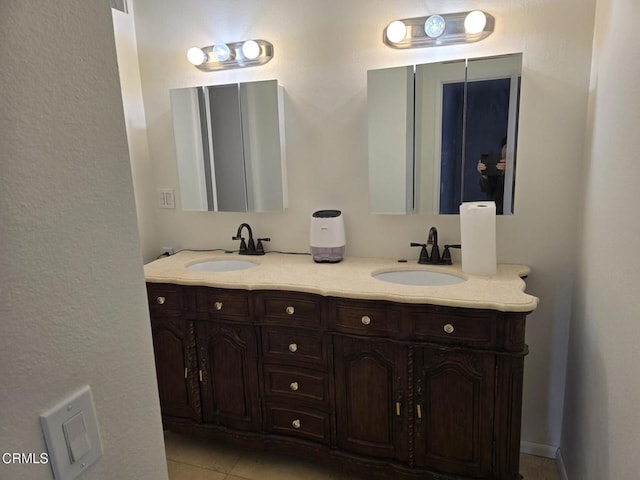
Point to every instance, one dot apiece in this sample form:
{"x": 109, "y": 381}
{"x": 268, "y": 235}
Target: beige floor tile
{"x": 266, "y": 466}
{"x": 538, "y": 468}
{"x": 212, "y": 455}
{"x": 182, "y": 471}
{"x": 191, "y": 458}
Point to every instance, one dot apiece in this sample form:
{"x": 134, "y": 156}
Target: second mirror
{"x": 230, "y": 147}
{"x": 442, "y": 134}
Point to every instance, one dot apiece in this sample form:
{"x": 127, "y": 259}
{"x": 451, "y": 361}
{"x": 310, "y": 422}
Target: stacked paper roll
{"x": 478, "y": 237}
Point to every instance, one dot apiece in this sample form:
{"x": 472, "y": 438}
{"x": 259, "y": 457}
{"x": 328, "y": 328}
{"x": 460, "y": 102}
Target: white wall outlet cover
{"x": 71, "y": 434}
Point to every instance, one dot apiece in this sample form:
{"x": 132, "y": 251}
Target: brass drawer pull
{"x": 293, "y": 347}
{"x": 161, "y": 300}
{"x": 419, "y": 410}
{"x": 448, "y": 328}
{"x": 186, "y": 372}
{"x": 293, "y": 386}
{"x": 200, "y": 374}
{"x": 296, "y": 423}
{"x": 218, "y": 305}
{"x": 290, "y": 310}
{"x": 366, "y": 320}
{"x": 397, "y": 409}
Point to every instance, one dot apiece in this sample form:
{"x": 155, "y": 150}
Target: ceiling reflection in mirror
{"x": 443, "y": 133}
{"x": 230, "y": 147}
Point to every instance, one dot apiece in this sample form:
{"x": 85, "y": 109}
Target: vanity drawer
{"x": 222, "y": 302}
{"x": 363, "y": 318}
{"x": 293, "y": 309}
{"x": 296, "y": 383}
{"x": 468, "y": 329}
{"x": 294, "y": 346}
{"x": 302, "y": 422}
{"x": 164, "y": 298}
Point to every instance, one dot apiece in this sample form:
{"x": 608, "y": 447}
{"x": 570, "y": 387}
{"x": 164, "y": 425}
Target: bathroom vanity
{"x": 329, "y": 363}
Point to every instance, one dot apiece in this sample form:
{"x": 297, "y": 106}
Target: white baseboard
{"x": 561, "y": 469}
{"x": 538, "y": 449}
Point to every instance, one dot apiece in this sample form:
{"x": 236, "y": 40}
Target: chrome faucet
{"x": 249, "y": 248}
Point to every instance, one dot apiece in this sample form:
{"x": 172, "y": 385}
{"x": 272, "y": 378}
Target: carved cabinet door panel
{"x": 176, "y": 367}
{"x": 227, "y": 357}
{"x": 371, "y": 390}
{"x": 454, "y": 396}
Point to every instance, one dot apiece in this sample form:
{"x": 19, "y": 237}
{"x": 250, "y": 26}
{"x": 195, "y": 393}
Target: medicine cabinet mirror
{"x": 230, "y": 147}
{"x": 429, "y": 125}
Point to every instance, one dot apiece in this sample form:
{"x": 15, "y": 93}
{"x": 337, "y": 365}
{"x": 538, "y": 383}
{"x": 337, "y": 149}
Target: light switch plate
{"x": 166, "y": 198}
{"x": 71, "y": 433}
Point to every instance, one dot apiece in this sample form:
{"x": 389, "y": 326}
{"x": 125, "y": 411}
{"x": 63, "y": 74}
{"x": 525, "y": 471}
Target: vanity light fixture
{"x": 439, "y": 30}
{"x": 231, "y": 55}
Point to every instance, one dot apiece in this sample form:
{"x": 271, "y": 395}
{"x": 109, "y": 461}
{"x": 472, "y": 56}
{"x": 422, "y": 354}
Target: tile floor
{"x": 196, "y": 459}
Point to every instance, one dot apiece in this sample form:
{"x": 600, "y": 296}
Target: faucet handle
{"x": 424, "y": 256}
{"x": 243, "y": 244}
{"x": 446, "y": 255}
{"x": 259, "y": 246}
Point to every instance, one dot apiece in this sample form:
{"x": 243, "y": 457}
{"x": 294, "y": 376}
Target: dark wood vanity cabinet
{"x": 296, "y": 366}
{"x": 371, "y": 397}
{"x": 454, "y": 402}
{"x": 174, "y": 347}
{"x": 381, "y": 389}
{"x": 175, "y": 353}
{"x": 227, "y": 357}
{"x": 227, "y": 360}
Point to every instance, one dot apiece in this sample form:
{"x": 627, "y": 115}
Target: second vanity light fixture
{"x": 439, "y": 30}
{"x": 231, "y": 55}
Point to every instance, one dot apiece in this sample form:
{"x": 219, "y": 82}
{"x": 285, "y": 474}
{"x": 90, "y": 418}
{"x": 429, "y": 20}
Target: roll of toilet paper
{"x": 478, "y": 237}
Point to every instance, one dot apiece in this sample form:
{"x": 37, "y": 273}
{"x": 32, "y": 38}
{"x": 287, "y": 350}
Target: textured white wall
{"x": 600, "y": 438}
{"x": 72, "y": 304}
{"x": 322, "y": 53}
{"x": 136, "y": 125}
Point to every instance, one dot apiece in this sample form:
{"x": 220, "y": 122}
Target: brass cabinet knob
{"x": 218, "y": 305}
{"x": 293, "y": 386}
{"x": 290, "y": 310}
{"x": 293, "y": 347}
{"x": 448, "y": 328}
{"x": 161, "y": 300}
{"x": 296, "y": 423}
{"x": 366, "y": 320}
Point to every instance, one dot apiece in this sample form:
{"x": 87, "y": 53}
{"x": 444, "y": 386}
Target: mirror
{"x": 429, "y": 127}
{"x": 230, "y": 147}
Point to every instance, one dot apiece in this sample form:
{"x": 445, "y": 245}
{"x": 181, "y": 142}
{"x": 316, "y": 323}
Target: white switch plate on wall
{"x": 71, "y": 433}
{"x": 166, "y": 198}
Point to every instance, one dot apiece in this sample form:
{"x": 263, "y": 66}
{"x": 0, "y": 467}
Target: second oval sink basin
{"x": 419, "y": 277}
{"x": 222, "y": 265}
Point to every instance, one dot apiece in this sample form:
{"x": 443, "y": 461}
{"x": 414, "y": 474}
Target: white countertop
{"x": 351, "y": 278}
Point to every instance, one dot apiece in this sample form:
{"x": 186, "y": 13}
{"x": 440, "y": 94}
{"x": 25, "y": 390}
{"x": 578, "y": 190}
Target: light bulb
{"x": 196, "y": 56}
{"x": 221, "y": 52}
{"x": 250, "y": 49}
{"x": 434, "y": 26}
{"x": 475, "y": 22}
{"x": 396, "y": 31}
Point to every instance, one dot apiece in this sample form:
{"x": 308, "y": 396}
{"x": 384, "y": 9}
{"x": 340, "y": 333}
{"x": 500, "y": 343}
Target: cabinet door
{"x": 227, "y": 358}
{"x": 371, "y": 415}
{"x": 176, "y": 367}
{"x": 454, "y": 393}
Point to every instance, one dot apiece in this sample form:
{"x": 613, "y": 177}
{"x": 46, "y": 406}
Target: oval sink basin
{"x": 419, "y": 277}
{"x": 222, "y": 265}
